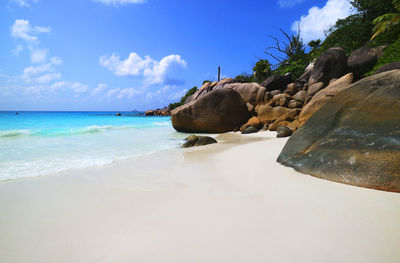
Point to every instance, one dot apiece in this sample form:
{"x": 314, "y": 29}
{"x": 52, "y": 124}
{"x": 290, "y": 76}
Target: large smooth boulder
{"x": 331, "y": 64}
{"x": 252, "y": 93}
{"x": 208, "y": 87}
{"x": 363, "y": 60}
{"x": 354, "y": 138}
{"x": 324, "y": 95}
{"x": 219, "y": 111}
{"x": 277, "y": 82}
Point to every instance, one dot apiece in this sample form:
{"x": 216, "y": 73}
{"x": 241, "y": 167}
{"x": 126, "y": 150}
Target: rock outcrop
{"x": 158, "y": 112}
{"x": 331, "y": 64}
{"x": 251, "y": 93}
{"x": 324, "y": 95}
{"x": 277, "y": 82}
{"x": 354, "y": 138}
{"x": 219, "y": 111}
{"x": 363, "y": 60}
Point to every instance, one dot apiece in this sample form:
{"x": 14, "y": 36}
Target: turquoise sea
{"x": 41, "y": 143}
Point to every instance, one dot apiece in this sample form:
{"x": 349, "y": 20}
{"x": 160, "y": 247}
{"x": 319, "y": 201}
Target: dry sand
{"x": 229, "y": 202}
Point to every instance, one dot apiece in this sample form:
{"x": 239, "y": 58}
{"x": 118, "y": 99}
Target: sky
{"x": 123, "y": 55}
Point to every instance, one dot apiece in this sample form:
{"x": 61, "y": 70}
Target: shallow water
{"x": 40, "y": 143}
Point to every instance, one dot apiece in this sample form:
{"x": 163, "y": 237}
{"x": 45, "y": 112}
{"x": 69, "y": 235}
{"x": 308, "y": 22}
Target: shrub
{"x": 261, "y": 70}
{"x": 390, "y": 54}
{"x": 244, "y": 78}
{"x": 183, "y": 99}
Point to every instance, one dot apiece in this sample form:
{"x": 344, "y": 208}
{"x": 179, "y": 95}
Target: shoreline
{"x": 225, "y": 202}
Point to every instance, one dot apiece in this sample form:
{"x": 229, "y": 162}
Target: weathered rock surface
{"x": 331, "y": 64}
{"x": 274, "y": 126}
{"x": 283, "y": 131}
{"x": 251, "y": 93}
{"x": 208, "y": 87}
{"x": 324, "y": 96}
{"x": 300, "y": 96}
{"x": 363, "y": 60}
{"x": 294, "y": 104}
{"x": 250, "y": 129}
{"x": 387, "y": 67}
{"x": 277, "y": 82}
{"x": 160, "y": 112}
{"x": 294, "y": 125}
{"x": 313, "y": 89}
{"x": 219, "y": 111}
{"x": 354, "y": 138}
{"x": 280, "y": 100}
{"x": 268, "y": 114}
{"x": 194, "y": 140}
{"x": 253, "y": 121}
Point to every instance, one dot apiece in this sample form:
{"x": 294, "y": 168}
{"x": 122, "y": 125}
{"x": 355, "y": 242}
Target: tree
{"x": 349, "y": 33}
{"x": 292, "y": 50}
{"x": 314, "y": 44}
{"x": 371, "y": 9}
{"x": 387, "y": 21}
{"x": 244, "y": 78}
{"x": 262, "y": 70}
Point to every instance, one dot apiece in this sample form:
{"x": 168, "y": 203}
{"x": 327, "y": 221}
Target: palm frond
{"x": 384, "y": 17}
{"x": 396, "y": 4}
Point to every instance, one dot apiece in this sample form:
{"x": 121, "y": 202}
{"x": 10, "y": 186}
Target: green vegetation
{"x": 349, "y": 33}
{"x": 245, "y": 78}
{"x": 376, "y": 23}
{"x": 261, "y": 70}
{"x": 387, "y": 21}
{"x": 183, "y": 99}
{"x": 391, "y": 54}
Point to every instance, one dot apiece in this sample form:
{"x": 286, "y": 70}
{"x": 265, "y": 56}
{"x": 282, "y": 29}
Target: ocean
{"x": 41, "y": 143}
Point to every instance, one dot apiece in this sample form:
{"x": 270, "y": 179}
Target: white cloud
{"x": 288, "y": 3}
{"x": 168, "y": 92}
{"x": 18, "y": 49}
{"x": 38, "y": 56}
{"x": 100, "y": 88}
{"x": 60, "y": 85}
{"x": 25, "y": 3}
{"x": 120, "y": 2}
{"x": 112, "y": 92}
{"x": 23, "y": 30}
{"x": 79, "y": 87}
{"x": 154, "y": 72}
{"x": 318, "y": 20}
{"x": 128, "y": 93}
{"x": 46, "y": 78}
{"x": 42, "y": 73}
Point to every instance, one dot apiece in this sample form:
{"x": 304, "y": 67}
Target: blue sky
{"x": 138, "y": 54}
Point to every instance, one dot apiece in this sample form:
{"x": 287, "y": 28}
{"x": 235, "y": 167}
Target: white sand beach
{"x": 227, "y": 202}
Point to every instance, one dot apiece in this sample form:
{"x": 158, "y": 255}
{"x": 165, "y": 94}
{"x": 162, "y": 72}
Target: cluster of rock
{"x": 345, "y": 128}
{"x": 278, "y": 102}
{"x": 354, "y": 138}
{"x": 158, "y": 112}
